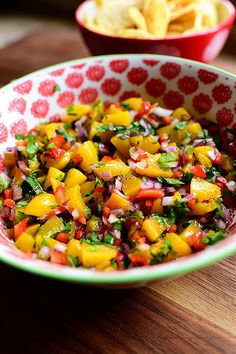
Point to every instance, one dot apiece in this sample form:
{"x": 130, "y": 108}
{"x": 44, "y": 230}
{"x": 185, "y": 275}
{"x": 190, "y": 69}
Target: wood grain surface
{"x": 193, "y": 314}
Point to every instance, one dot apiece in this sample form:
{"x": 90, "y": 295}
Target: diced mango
{"x": 96, "y": 132}
{"x": 153, "y": 229}
{"x": 49, "y": 242}
{"x": 32, "y": 229}
{"x": 53, "y": 173}
{"x": 75, "y": 112}
{"x": 112, "y": 169}
{"x": 89, "y": 154}
{"x": 189, "y": 231}
{"x": 117, "y": 202}
{"x": 157, "y": 206}
{"x": 93, "y": 255}
{"x": 131, "y": 185}
{"x": 204, "y": 190}
{"x": 50, "y": 128}
{"x": 122, "y": 145}
{"x": 41, "y": 204}
{"x": 75, "y": 199}
{"x": 74, "y": 176}
{"x": 93, "y": 224}
{"x": 114, "y": 109}
{"x": 59, "y": 163}
{"x": 149, "y": 144}
{"x": 201, "y": 154}
{"x": 55, "y": 184}
{"x": 180, "y": 247}
{"x": 134, "y": 103}
{"x": 204, "y": 207}
{"x": 87, "y": 188}
{"x": 51, "y": 226}
{"x": 122, "y": 118}
{"x": 181, "y": 114}
{"x": 25, "y": 242}
{"x": 152, "y": 169}
{"x": 74, "y": 248}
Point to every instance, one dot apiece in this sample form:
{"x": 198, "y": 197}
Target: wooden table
{"x": 193, "y": 314}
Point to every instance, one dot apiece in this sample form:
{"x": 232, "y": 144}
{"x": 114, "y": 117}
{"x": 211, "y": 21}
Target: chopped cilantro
{"x": 144, "y": 179}
{"x": 19, "y": 136}
{"x": 88, "y": 193}
{"x": 161, "y": 219}
{"x": 32, "y": 146}
{"x": 56, "y": 88}
{"x": 73, "y": 261}
{"x": 169, "y": 181}
{"x": 31, "y": 185}
{"x": 126, "y": 106}
{"x": 166, "y": 159}
{"x": 108, "y": 238}
{"x": 187, "y": 177}
{"x": 100, "y": 163}
{"x": 211, "y": 173}
{"x": 180, "y": 125}
{"x": 65, "y": 135}
{"x": 212, "y": 238}
{"x": 1, "y": 203}
{"x": 3, "y": 184}
{"x": 166, "y": 248}
{"x": 94, "y": 238}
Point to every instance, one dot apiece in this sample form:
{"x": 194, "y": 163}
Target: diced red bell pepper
{"x": 58, "y": 140}
{"x": 66, "y": 146}
{"x": 191, "y": 203}
{"x": 145, "y": 108}
{"x": 106, "y": 212}
{"x": 172, "y": 228}
{"x": 20, "y": 227}
{"x": 198, "y": 171}
{"x": 8, "y": 193}
{"x": 77, "y": 159}
{"x": 137, "y": 259}
{"x": 151, "y": 193}
{"x": 54, "y": 153}
{"x": 9, "y": 203}
{"x": 167, "y": 120}
{"x": 78, "y": 234}
{"x": 81, "y": 219}
{"x": 58, "y": 257}
{"x": 163, "y": 137}
{"x": 60, "y": 194}
{"x": 63, "y": 237}
{"x": 107, "y": 158}
{"x": 194, "y": 241}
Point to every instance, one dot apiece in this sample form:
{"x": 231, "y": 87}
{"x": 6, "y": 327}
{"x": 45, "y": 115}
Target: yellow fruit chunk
{"x": 204, "y": 190}
{"x": 181, "y": 114}
{"x": 96, "y": 132}
{"x": 75, "y": 199}
{"x": 111, "y": 169}
{"x": 149, "y": 144}
{"x": 131, "y": 185}
{"x": 157, "y": 206}
{"x": 59, "y": 163}
{"x": 41, "y": 204}
{"x": 152, "y": 169}
{"x": 117, "y": 202}
{"x": 122, "y": 145}
{"x": 93, "y": 255}
{"x": 49, "y": 129}
{"x": 55, "y": 184}
{"x": 74, "y": 248}
{"x": 75, "y": 112}
{"x": 87, "y": 188}
{"x": 49, "y": 242}
{"x": 122, "y": 118}
{"x": 89, "y": 154}
{"x": 25, "y": 242}
{"x": 113, "y": 109}
{"x": 204, "y": 207}
{"x": 153, "y": 229}
{"x": 53, "y": 173}
{"x": 93, "y": 224}
{"x": 201, "y": 154}
{"x": 51, "y": 226}
{"x": 180, "y": 247}
{"x": 134, "y": 103}
{"x": 32, "y": 229}
{"x": 74, "y": 177}
{"x": 189, "y": 231}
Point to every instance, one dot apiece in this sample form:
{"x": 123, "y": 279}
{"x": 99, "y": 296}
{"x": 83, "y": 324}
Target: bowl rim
{"x": 136, "y": 275}
{"x": 215, "y": 29}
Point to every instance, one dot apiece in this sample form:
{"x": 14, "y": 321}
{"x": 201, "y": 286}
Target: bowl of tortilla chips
{"x": 193, "y": 29}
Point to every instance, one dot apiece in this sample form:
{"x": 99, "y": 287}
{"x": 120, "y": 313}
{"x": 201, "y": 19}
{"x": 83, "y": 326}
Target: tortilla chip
{"x": 157, "y": 18}
{"x": 137, "y": 17}
{"x": 134, "y": 33}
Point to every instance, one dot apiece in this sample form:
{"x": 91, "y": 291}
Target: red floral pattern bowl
{"x": 203, "y": 46}
{"x": 42, "y": 96}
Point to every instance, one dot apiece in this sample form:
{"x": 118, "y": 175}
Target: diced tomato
{"x": 116, "y": 242}
{"x": 55, "y": 212}
{"x": 191, "y": 203}
{"x": 99, "y": 189}
{"x": 8, "y": 193}
{"x": 78, "y": 234}
{"x": 195, "y": 241}
{"x": 107, "y": 158}
{"x": 58, "y": 257}
{"x": 220, "y": 185}
{"x": 163, "y": 137}
{"x": 149, "y": 202}
{"x": 145, "y": 108}
{"x": 59, "y": 140}
{"x": 198, "y": 171}
{"x": 9, "y": 203}
{"x": 77, "y": 159}
{"x": 137, "y": 259}
{"x": 63, "y": 237}
{"x": 54, "y": 153}
{"x": 118, "y": 262}
{"x": 219, "y": 159}
{"x": 20, "y": 227}
{"x": 81, "y": 219}
{"x": 178, "y": 174}
{"x": 150, "y": 193}
{"x": 172, "y": 228}
{"x": 66, "y": 146}
{"x": 106, "y": 212}
{"x": 167, "y": 120}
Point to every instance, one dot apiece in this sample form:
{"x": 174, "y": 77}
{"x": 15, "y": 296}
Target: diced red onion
{"x": 118, "y": 184}
{"x": 132, "y": 114}
{"x": 152, "y": 122}
{"x": 13, "y": 213}
{"x": 136, "y": 155}
{"x": 157, "y": 185}
{"x": 226, "y": 213}
{"x": 120, "y": 194}
{"x": 116, "y": 233}
{"x": 172, "y": 164}
{"x": 169, "y": 190}
{"x": 143, "y": 247}
{"x": 182, "y": 191}
{"x": 112, "y": 218}
{"x": 231, "y": 186}
{"x": 24, "y": 168}
{"x": 162, "y": 112}
{"x": 221, "y": 179}
{"x": 203, "y": 142}
{"x": 81, "y": 132}
{"x": 211, "y": 154}
{"x": 142, "y": 164}
{"x": 220, "y": 223}
{"x": 132, "y": 164}
{"x": 117, "y": 212}
{"x": 75, "y": 214}
{"x": 145, "y": 126}
{"x": 147, "y": 184}
{"x": 60, "y": 248}
{"x": 17, "y": 192}
{"x": 103, "y": 149}
{"x": 188, "y": 197}
{"x": 171, "y": 148}
{"x": 44, "y": 252}
{"x": 106, "y": 175}
{"x": 104, "y": 220}
{"x": 167, "y": 201}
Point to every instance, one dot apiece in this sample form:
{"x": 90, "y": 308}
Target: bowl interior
{"x": 42, "y": 96}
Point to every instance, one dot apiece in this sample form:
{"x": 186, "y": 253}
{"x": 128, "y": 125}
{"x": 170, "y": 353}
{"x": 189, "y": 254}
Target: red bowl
{"x": 203, "y": 46}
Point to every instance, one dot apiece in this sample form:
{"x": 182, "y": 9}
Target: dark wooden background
{"x": 192, "y": 314}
